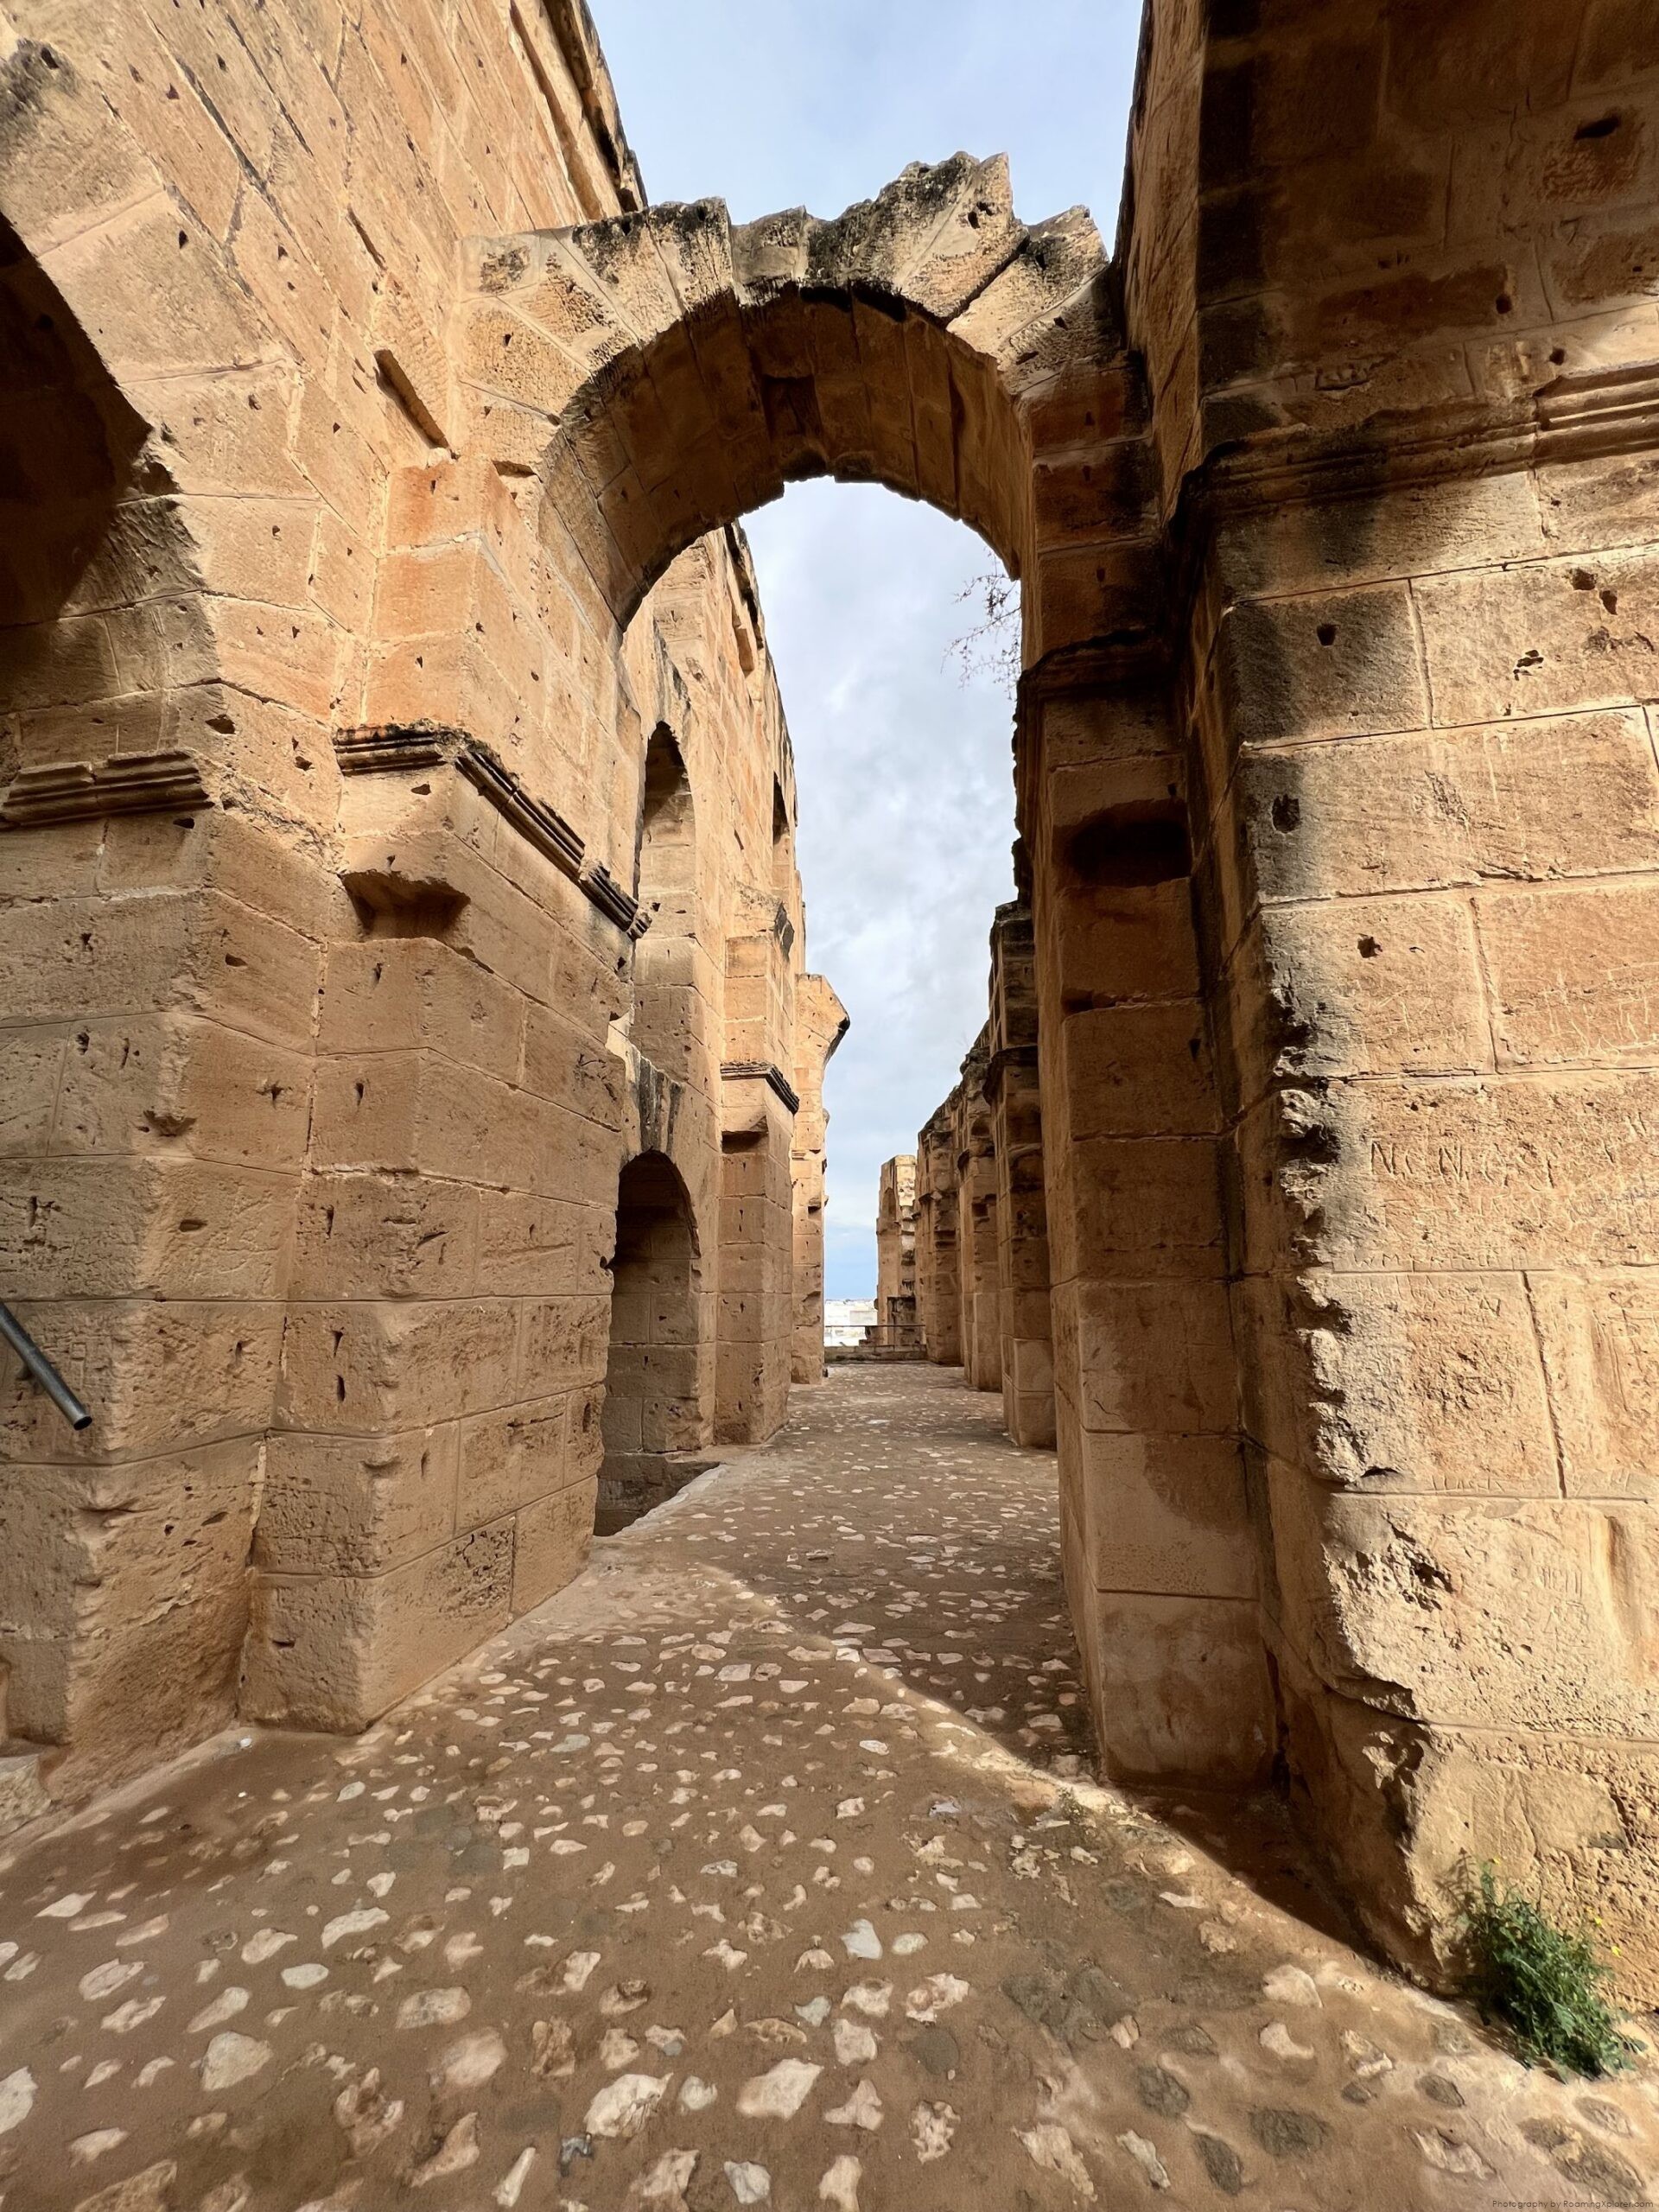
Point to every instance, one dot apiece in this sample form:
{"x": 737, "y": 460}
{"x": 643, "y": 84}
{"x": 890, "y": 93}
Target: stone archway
{"x": 1193, "y": 476}
{"x": 650, "y": 379}
{"x": 653, "y": 1419}
{"x": 1328, "y": 497}
{"x": 666, "y": 372}
{"x": 150, "y": 1057}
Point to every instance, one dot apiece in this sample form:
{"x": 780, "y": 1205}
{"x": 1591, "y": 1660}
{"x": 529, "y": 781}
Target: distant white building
{"x": 845, "y": 1320}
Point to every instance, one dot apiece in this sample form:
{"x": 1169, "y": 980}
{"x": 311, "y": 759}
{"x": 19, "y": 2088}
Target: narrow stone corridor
{"x": 762, "y": 1866}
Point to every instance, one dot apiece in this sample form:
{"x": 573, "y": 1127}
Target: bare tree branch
{"x": 988, "y": 652}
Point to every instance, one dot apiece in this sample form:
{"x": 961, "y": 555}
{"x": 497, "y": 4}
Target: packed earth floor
{"x": 762, "y": 1866}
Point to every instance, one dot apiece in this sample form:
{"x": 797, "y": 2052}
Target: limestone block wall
{"x": 1012, "y": 1087}
{"x": 1451, "y": 1103}
{"x": 978, "y": 1239}
{"x": 431, "y": 1467}
{"x": 938, "y": 1286}
{"x": 1411, "y": 363}
{"x": 820, "y": 1022}
{"x": 896, "y": 1254}
{"x": 323, "y": 778}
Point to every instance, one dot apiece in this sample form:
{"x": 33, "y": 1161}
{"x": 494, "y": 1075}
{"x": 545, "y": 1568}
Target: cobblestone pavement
{"x": 761, "y": 1867}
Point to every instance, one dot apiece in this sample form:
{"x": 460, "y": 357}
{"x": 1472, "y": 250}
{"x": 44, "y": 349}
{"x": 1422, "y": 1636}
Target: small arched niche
{"x": 668, "y": 838}
{"x": 670, "y": 1015}
{"x": 783, "y": 843}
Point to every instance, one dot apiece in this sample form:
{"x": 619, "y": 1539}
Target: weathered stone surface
{"x": 1599, "y": 1336}
{"x": 1572, "y": 975}
{"x": 1183, "y": 1687}
{"x": 1164, "y": 1514}
{"x": 1329, "y": 665}
{"x": 1402, "y": 1380}
{"x": 335, "y": 1651}
{"x": 1533, "y": 801}
{"x": 406, "y": 1029}
{"x": 341, "y": 1505}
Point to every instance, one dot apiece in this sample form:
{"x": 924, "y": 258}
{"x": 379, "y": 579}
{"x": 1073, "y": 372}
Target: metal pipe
{"x": 42, "y": 1370}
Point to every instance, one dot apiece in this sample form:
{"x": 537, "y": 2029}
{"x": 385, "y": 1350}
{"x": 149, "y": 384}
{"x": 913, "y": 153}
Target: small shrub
{"x": 1544, "y": 1983}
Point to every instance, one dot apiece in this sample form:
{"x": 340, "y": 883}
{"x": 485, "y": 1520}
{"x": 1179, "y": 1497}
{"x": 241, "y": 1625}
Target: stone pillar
{"x": 756, "y": 1257}
{"x": 939, "y": 1284}
{"x": 757, "y": 1234}
{"x": 1438, "y": 848}
{"x": 434, "y": 1469}
{"x": 1012, "y": 1089}
{"x": 895, "y": 1255}
{"x": 1160, "y": 1554}
{"x": 820, "y": 1022}
{"x": 166, "y": 783}
{"x": 158, "y": 972}
{"x": 978, "y": 1242}
{"x": 1405, "y": 427}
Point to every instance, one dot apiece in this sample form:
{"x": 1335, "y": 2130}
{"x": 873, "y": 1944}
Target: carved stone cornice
{"x": 125, "y": 782}
{"x": 613, "y": 902}
{"x": 996, "y": 1070}
{"x": 1585, "y": 416}
{"x": 394, "y": 748}
{"x": 765, "y": 1072}
{"x": 382, "y": 747}
{"x": 537, "y": 823}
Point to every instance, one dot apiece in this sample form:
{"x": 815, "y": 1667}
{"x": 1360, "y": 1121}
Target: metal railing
{"x": 14, "y": 1332}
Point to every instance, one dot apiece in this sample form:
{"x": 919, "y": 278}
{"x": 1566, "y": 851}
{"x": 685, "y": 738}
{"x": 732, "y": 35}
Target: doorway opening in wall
{"x": 650, "y": 1422}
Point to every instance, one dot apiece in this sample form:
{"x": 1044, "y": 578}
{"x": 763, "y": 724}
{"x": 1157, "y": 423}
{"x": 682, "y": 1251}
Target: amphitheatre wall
{"x": 341, "y": 600}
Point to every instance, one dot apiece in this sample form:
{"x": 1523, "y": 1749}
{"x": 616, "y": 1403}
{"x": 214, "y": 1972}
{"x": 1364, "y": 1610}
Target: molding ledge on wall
{"x": 391, "y": 747}
{"x": 125, "y": 782}
{"x": 765, "y": 1071}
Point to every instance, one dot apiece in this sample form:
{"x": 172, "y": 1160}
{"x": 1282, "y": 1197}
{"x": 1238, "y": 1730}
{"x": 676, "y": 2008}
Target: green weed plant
{"x": 1547, "y": 1984}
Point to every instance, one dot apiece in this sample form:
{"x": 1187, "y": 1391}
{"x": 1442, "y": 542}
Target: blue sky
{"x": 905, "y": 776}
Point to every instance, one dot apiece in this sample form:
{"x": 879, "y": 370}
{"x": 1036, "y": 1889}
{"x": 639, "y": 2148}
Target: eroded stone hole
{"x": 390, "y": 904}
{"x": 1143, "y": 843}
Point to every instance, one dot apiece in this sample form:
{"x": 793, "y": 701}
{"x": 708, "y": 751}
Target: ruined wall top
{"x": 665, "y": 371}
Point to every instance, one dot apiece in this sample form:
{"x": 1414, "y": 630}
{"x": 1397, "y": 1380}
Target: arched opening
{"x": 783, "y": 843}
{"x": 660, "y": 377}
{"x": 91, "y": 535}
{"x": 668, "y": 373}
{"x": 107, "y": 668}
{"x": 670, "y": 1017}
{"x": 668, "y": 838}
{"x": 653, "y": 1418}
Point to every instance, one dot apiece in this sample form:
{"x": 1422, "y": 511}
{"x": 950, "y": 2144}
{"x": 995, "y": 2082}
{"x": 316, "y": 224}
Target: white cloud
{"x": 906, "y": 813}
